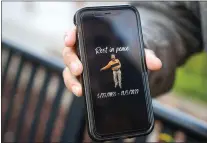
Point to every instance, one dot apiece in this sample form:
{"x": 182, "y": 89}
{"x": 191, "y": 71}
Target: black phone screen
{"x": 112, "y": 49}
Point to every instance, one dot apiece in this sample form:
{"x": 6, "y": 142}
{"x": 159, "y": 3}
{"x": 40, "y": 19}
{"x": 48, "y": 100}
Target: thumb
{"x": 152, "y": 61}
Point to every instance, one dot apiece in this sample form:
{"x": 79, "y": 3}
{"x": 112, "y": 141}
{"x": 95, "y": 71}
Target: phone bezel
{"x": 85, "y": 79}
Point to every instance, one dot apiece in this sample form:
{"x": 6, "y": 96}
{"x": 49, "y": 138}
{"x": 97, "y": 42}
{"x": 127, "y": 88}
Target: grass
{"x": 191, "y": 79}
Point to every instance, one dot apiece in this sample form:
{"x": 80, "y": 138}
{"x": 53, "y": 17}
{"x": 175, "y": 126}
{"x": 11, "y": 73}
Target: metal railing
{"x": 73, "y": 129}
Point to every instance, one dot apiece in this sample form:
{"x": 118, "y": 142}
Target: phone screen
{"x": 112, "y": 48}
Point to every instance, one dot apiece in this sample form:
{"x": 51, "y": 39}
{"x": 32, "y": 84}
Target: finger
{"x": 72, "y": 61}
{"x": 153, "y": 62}
{"x": 70, "y": 37}
{"x": 72, "y": 83}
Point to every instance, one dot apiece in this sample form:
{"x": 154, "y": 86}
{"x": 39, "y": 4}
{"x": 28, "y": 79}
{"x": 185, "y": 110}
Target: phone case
{"x": 85, "y": 79}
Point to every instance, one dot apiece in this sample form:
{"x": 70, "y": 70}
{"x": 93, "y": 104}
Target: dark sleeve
{"x": 173, "y": 32}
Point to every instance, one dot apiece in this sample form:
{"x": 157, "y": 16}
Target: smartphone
{"x": 115, "y": 78}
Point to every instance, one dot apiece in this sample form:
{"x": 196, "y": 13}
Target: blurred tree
{"x": 191, "y": 79}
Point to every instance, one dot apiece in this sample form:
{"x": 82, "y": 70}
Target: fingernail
{"x": 75, "y": 90}
{"x": 153, "y": 55}
{"x": 66, "y": 37}
{"x": 152, "y": 52}
{"x": 74, "y": 67}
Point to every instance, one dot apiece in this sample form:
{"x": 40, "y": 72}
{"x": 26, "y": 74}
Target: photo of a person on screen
{"x": 115, "y": 66}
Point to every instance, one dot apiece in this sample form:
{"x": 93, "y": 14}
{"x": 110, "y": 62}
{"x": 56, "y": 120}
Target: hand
{"x": 74, "y": 67}
{"x": 116, "y": 68}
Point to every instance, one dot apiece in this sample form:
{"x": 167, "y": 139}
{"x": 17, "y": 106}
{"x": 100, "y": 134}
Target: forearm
{"x": 175, "y": 29}
{"x": 106, "y": 67}
{"x": 173, "y": 41}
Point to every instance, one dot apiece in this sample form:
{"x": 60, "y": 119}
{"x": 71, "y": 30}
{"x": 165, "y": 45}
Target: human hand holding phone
{"x": 74, "y": 67}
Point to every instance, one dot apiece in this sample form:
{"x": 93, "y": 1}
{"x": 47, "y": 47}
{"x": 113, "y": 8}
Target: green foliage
{"x": 191, "y": 79}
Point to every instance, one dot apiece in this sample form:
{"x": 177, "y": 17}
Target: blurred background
{"x": 39, "y": 27}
